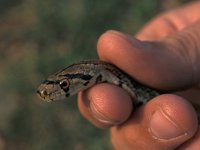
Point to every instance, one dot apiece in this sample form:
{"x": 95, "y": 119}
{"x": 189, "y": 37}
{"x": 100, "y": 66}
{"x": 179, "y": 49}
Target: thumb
{"x": 159, "y": 124}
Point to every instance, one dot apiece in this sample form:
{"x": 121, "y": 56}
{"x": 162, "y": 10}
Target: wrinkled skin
{"x": 165, "y": 54}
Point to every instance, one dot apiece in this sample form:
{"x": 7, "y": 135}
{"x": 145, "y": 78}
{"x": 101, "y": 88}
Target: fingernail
{"x": 120, "y": 34}
{"x": 163, "y": 127}
{"x": 133, "y": 41}
{"x": 105, "y": 119}
{"x": 115, "y": 32}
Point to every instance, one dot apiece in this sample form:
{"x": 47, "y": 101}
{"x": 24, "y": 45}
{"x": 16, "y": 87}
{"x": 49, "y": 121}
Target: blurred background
{"x": 38, "y": 38}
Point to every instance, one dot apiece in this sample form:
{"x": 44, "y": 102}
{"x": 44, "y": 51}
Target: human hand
{"x": 168, "y": 59}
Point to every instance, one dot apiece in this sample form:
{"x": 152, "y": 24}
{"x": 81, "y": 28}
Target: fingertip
{"x": 105, "y": 105}
{"x": 176, "y": 110}
{"x": 116, "y": 43}
{"x": 132, "y": 56}
{"x": 173, "y": 121}
{"x": 165, "y": 121}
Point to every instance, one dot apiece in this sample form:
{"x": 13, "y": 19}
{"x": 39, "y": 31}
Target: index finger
{"x": 155, "y": 64}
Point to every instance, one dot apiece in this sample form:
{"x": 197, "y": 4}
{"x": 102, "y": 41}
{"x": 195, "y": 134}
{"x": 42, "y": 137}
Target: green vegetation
{"x": 39, "y": 37}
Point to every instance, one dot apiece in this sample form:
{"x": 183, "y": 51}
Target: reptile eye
{"x": 64, "y": 84}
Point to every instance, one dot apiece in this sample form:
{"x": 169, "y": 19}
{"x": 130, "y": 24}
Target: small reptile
{"x": 80, "y": 76}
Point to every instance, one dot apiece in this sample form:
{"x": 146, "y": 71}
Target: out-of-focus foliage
{"x": 39, "y": 37}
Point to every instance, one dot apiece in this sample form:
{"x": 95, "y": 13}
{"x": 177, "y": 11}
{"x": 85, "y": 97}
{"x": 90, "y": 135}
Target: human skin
{"x": 165, "y": 55}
